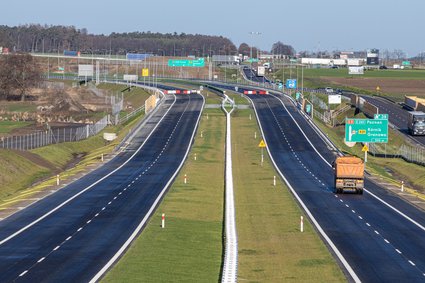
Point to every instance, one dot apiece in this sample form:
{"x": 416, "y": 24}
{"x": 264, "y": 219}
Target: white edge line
{"x": 369, "y": 192}
{"x": 89, "y": 187}
{"x": 318, "y": 227}
{"x": 151, "y": 210}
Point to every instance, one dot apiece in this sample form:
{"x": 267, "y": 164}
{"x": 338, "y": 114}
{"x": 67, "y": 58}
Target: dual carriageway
{"x": 77, "y": 233}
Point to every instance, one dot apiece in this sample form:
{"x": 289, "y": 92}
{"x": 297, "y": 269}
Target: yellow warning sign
{"x": 262, "y": 144}
{"x": 365, "y": 148}
{"x": 145, "y": 72}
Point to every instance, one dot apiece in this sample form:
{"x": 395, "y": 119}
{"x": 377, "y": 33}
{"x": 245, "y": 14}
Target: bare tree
{"x": 399, "y": 54}
{"x": 280, "y": 48}
{"x": 18, "y": 73}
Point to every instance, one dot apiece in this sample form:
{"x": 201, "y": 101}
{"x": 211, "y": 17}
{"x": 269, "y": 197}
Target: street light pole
{"x": 253, "y": 33}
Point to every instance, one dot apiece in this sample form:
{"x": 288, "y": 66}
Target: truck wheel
{"x": 360, "y": 192}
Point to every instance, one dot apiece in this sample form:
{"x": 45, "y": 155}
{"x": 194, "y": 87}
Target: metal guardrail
{"x": 131, "y": 114}
{"x": 230, "y": 264}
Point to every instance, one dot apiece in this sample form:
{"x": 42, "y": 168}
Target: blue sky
{"x": 306, "y": 25}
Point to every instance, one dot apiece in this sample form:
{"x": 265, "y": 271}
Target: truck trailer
{"x": 349, "y": 174}
{"x": 416, "y": 123}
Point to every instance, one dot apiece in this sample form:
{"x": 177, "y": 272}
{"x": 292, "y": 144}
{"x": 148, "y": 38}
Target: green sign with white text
{"x": 186, "y": 63}
{"x": 366, "y": 130}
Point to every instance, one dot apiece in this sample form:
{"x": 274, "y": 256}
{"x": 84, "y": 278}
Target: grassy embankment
{"x": 271, "y": 248}
{"x": 18, "y": 171}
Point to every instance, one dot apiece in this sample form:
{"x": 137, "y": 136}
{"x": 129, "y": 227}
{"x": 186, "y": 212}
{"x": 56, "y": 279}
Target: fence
{"x": 410, "y": 153}
{"x": 130, "y": 115}
{"x": 52, "y": 136}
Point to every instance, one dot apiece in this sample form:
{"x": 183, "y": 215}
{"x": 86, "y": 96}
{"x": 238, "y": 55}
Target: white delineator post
{"x": 185, "y": 178}
{"x": 274, "y": 181}
{"x": 402, "y": 186}
{"x": 57, "y": 180}
{"x": 302, "y": 224}
{"x": 202, "y": 134}
{"x": 262, "y": 156}
{"x": 102, "y": 157}
{"x": 163, "y": 221}
{"x": 255, "y": 135}
{"x": 195, "y": 157}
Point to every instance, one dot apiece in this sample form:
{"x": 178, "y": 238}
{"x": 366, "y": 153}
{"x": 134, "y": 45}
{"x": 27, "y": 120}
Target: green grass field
{"x": 19, "y": 107}
{"x": 343, "y": 73}
{"x": 271, "y": 246}
{"x": 17, "y": 173}
{"x": 390, "y": 74}
{"x": 8, "y": 126}
{"x": 189, "y": 249}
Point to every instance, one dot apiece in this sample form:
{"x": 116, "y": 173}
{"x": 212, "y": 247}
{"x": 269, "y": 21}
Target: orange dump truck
{"x": 349, "y": 174}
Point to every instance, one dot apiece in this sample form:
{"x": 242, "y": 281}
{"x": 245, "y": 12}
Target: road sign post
{"x": 365, "y": 149}
{"x": 262, "y": 145}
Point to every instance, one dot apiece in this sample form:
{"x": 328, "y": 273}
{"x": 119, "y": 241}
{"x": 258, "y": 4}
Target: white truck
{"x": 261, "y": 71}
{"x": 416, "y": 123}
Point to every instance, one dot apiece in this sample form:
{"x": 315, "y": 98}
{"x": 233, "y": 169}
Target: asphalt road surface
{"x": 381, "y": 237}
{"x": 397, "y": 115}
{"x": 71, "y": 235}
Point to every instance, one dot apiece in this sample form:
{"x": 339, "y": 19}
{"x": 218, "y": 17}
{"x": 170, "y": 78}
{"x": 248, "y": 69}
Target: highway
{"x": 376, "y": 236}
{"x": 396, "y": 115}
{"x": 75, "y": 234}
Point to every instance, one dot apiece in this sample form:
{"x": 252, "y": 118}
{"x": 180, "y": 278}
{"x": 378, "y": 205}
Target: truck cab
{"x": 416, "y": 123}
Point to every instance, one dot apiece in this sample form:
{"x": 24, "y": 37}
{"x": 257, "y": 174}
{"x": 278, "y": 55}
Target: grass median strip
{"x": 190, "y": 246}
{"x": 271, "y": 246}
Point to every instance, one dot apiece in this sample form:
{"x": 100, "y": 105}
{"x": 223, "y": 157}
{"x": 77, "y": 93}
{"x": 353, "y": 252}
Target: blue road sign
{"x": 291, "y": 84}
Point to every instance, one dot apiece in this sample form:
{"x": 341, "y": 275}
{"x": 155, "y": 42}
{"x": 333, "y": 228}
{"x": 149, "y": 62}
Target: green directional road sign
{"x": 366, "y": 130}
{"x": 187, "y": 63}
{"x": 380, "y": 116}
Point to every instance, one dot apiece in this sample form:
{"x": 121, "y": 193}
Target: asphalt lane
{"x": 379, "y": 243}
{"x": 74, "y": 242}
{"x": 397, "y": 115}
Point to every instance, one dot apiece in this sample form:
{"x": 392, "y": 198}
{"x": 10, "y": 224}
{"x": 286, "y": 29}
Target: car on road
{"x": 382, "y": 67}
{"x": 329, "y": 90}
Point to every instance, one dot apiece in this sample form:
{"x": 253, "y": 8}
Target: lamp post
{"x": 163, "y": 61}
{"x": 253, "y": 33}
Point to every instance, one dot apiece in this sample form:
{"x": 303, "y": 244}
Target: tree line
{"x": 56, "y": 39}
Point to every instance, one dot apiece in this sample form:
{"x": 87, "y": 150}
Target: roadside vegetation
{"x": 23, "y": 173}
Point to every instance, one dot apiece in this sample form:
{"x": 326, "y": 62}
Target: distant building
{"x": 226, "y": 59}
